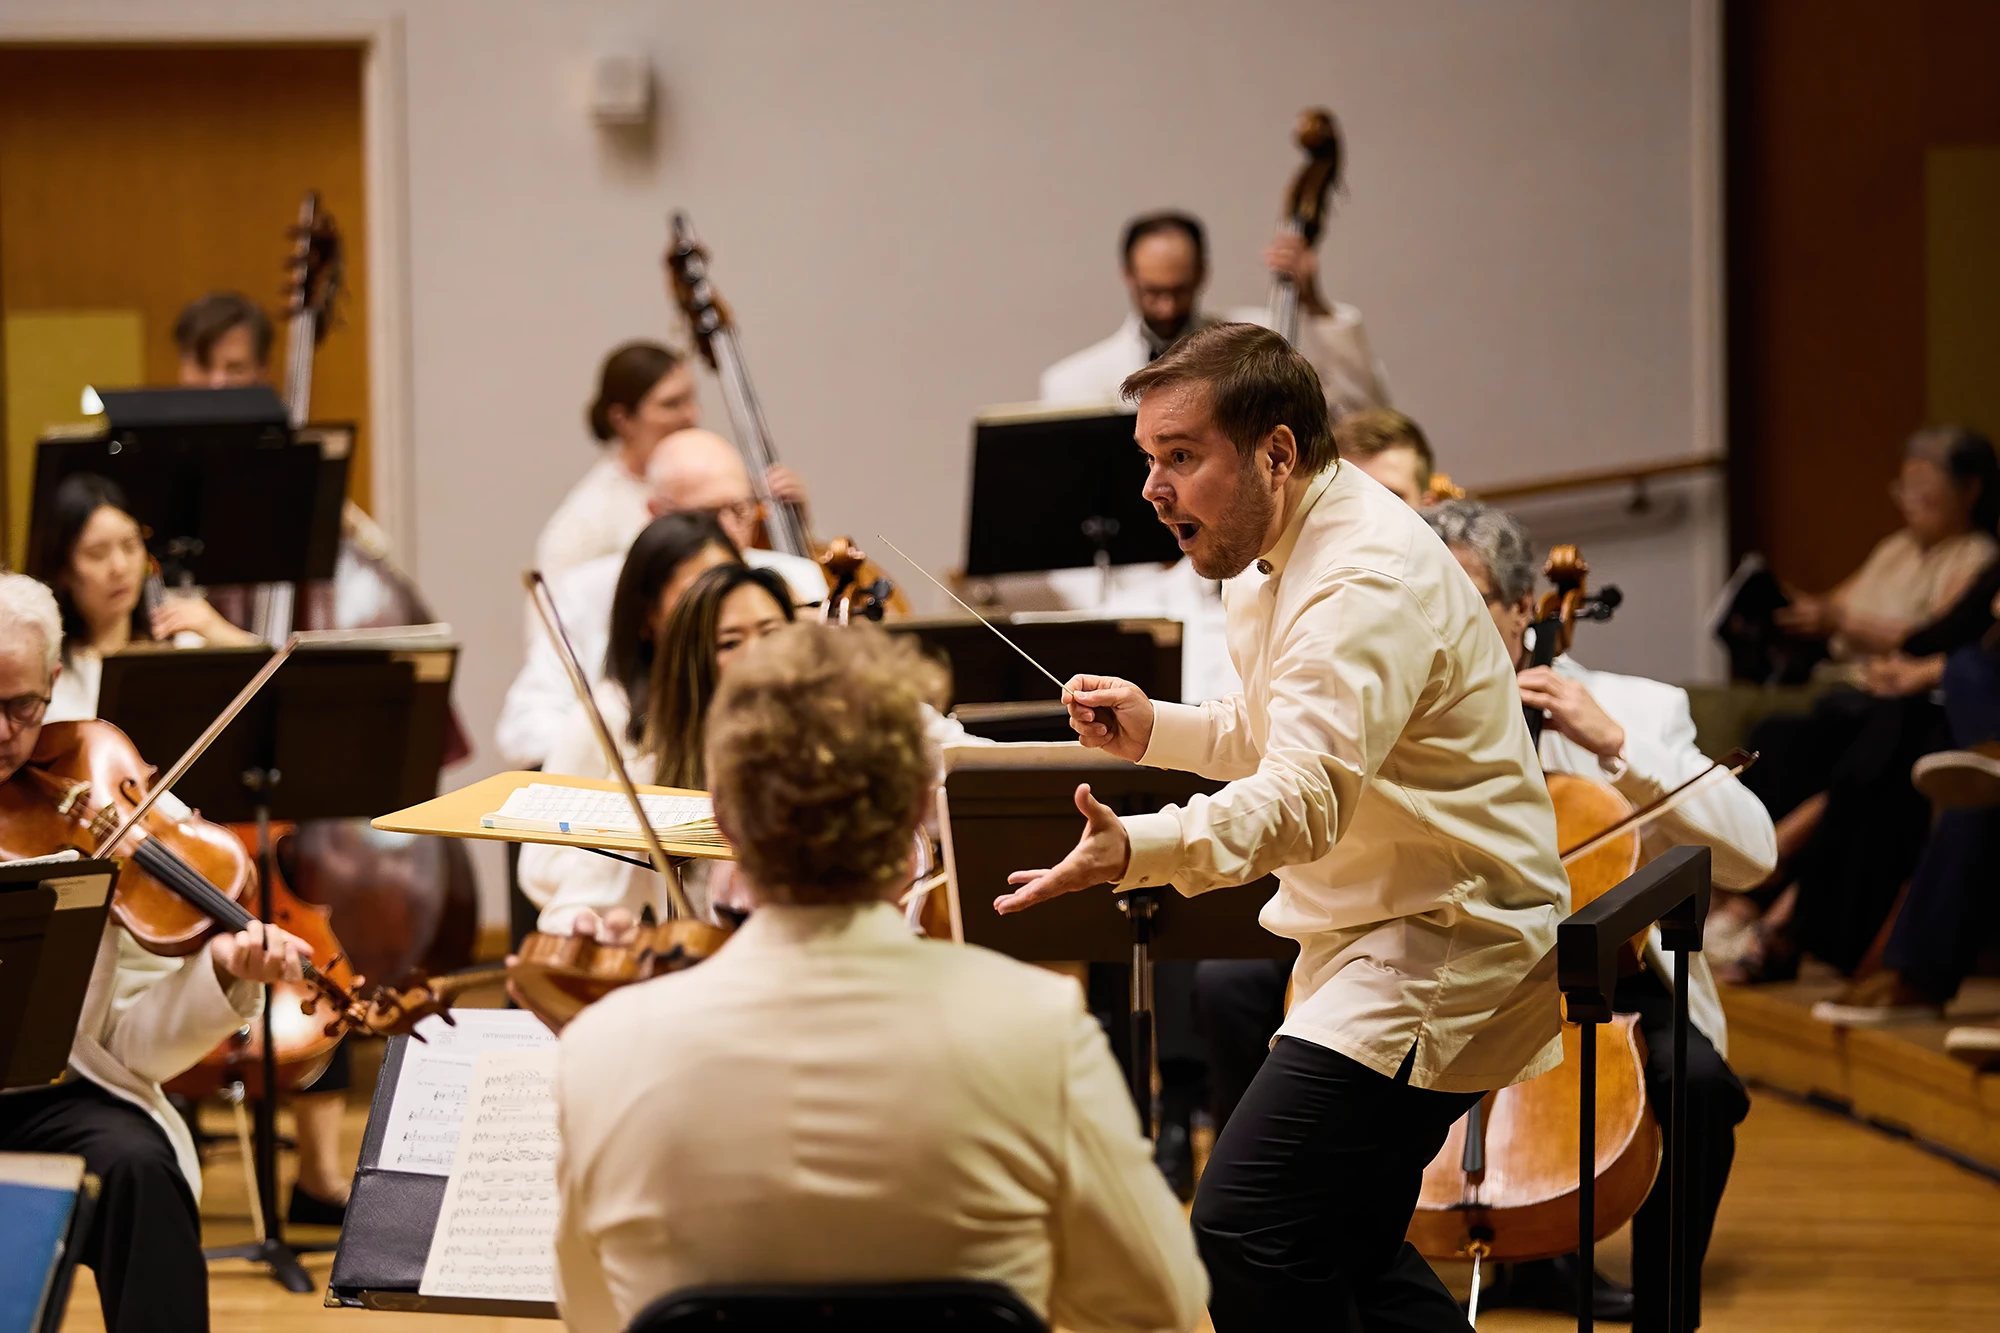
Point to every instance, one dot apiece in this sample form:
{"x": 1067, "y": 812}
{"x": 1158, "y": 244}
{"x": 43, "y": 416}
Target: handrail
{"x": 1584, "y": 481}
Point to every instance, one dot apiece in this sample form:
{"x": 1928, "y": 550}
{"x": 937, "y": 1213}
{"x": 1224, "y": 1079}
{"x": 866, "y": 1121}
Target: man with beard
{"x": 1378, "y": 763}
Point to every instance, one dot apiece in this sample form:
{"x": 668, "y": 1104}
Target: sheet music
{"x": 421, "y": 1134}
{"x": 496, "y": 1233}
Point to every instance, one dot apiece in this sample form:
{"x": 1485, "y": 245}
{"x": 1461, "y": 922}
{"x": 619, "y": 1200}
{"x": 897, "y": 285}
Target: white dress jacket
{"x": 830, "y": 1099}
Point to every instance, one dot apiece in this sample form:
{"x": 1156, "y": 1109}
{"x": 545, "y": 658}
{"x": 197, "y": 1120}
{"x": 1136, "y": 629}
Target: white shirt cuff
{"x": 1180, "y": 737}
{"x": 1156, "y": 848}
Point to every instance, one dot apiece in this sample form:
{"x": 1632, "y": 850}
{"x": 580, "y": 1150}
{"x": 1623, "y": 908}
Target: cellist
{"x": 1638, "y": 735}
{"x": 145, "y": 1019}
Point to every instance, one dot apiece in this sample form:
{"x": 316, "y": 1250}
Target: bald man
{"x": 692, "y": 471}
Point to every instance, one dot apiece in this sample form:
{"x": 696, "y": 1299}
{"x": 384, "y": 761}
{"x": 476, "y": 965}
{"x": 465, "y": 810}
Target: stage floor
{"x": 1829, "y": 1226}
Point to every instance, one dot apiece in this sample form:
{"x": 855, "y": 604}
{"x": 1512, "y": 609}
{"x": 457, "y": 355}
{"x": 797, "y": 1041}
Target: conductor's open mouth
{"x": 1184, "y": 533}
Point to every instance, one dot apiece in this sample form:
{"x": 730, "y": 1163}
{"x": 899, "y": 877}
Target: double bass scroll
{"x": 1306, "y": 206}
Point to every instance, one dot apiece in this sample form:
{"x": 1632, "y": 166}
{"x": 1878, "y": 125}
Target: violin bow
{"x": 201, "y": 744}
{"x": 1732, "y": 764}
{"x": 544, "y": 603}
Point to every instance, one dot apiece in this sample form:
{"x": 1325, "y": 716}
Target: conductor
{"x": 1378, "y": 763}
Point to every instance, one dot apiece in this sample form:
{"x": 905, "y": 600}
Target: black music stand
{"x": 1003, "y": 813}
{"x": 341, "y": 731}
{"x": 1097, "y": 516}
{"x": 1673, "y": 890}
{"x": 51, "y": 920}
{"x": 216, "y": 477}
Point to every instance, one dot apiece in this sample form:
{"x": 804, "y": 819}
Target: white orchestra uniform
{"x": 1378, "y": 763}
{"x": 895, "y": 1108}
{"x": 541, "y": 701}
{"x": 600, "y": 516}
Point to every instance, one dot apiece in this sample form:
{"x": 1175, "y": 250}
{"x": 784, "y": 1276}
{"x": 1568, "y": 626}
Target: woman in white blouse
{"x": 660, "y": 731}
{"x": 94, "y": 559}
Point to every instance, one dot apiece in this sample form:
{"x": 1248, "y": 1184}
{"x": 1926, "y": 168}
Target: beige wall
{"x": 913, "y": 208}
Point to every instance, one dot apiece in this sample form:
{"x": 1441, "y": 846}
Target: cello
{"x": 1504, "y": 1186}
{"x": 1306, "y": 206}
{"x": 856, "y": 588}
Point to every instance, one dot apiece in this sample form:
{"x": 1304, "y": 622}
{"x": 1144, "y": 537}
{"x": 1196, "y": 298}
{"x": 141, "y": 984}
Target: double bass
{"x": 856, "y": 588}
{"x": 1306, "y": 206}
{"x": 1504, "y": 1186}
{"x": 402, "y": 904}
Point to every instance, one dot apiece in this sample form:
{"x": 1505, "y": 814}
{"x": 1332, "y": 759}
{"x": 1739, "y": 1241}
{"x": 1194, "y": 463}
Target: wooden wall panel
{"x": 139, "y": 177}
{"x": 1832, "y": 108}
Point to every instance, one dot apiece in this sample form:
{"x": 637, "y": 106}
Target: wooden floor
{"x": 1828, "y": 1226}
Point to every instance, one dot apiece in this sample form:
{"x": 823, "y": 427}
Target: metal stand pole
{"x": 1586, "y": 1167}
{"x": 1677, "y": 1140}
{"x": 269, "y": 1248}
{"x": 1139, "y": 907}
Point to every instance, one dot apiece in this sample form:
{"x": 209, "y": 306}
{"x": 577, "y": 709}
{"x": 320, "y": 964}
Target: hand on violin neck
{"x": 1572, "y": 711}
{"x": 1110, "y": 714}
{"x": 259, "y": 952}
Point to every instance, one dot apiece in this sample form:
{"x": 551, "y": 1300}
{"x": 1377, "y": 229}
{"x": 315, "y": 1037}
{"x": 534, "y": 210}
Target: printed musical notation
{"x": 495, "y": 1235}
{"x": 421, "y": 1134}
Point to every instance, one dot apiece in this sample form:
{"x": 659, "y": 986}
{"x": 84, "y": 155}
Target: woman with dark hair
{"x": 727, "y": 608}
{"x": 613, "y": 609}
{"x": 645, "y": 392}
{"x": 93, "y": 556}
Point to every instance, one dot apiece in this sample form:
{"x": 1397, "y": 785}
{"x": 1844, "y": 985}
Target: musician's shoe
{"x": 309, "y": 1210}
{"x": 1960, "y": 779}
{"x": 1976, "y": 1045}
{"x": 1550, "y": 1284}
{"x": 1882, "y": 999}
{"x": 1173, "y": 1153}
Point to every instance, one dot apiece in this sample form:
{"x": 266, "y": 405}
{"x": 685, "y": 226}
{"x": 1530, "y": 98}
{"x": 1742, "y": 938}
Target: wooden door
{"x": 134, "y": 179}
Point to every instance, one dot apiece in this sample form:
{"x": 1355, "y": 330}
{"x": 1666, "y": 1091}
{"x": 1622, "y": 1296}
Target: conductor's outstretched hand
{"x": 1100, "y": 857}
{"x": 1110, "y": 714}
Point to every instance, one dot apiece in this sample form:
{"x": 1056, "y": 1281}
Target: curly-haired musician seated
{"x": 829, "y": 1098}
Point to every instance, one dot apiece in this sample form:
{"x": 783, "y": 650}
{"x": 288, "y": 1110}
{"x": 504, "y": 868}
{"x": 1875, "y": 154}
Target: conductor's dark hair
{"x": 1151, "y": 224}
{"x": 625, "y": 379}
{"x": 1256, "y": 383}
{"x": 78, "y": 497}
{"x": 206, "y": 320}
{"x": 660, "y": 549}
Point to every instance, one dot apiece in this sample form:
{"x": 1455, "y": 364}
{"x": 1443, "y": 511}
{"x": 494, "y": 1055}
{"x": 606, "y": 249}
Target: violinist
{"x": 830, "y": 1098}
{"x": 1638, "y": 735}
{"x": 1377, "y": 761}
{"x": 94, "y": 558}
{"x": 693, "y": 473}
{"x": 660, "y": 718}
{"x": 145, "y": 1019}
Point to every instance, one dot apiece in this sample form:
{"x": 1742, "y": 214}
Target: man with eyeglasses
{"x": 145, "y": 1019}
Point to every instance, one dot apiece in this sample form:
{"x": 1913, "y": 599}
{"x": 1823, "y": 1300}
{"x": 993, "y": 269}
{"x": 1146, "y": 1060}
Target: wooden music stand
{"x": 457, "y": 814}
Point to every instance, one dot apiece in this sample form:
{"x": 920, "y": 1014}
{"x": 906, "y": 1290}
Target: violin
{"x": 856, "y": 588}
{"x": 182, "y": 878}
{"x": 1504, "y": 1185}
{"x": 1306, "y": 205}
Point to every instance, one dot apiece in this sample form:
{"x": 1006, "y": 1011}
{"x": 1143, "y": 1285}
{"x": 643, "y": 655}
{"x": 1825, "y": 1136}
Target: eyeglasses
{"x": 25, "y": 710}
{"x": 747, "y": 510}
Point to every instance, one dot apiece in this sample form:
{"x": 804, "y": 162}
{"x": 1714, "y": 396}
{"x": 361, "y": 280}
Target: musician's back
{"x": 832, "y": 1100}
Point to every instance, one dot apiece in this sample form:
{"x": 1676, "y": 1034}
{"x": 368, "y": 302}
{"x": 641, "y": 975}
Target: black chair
{"x": 888, "y": 1307}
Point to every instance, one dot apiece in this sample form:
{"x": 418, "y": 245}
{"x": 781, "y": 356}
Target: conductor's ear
{"x": 1281, "y": 454}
